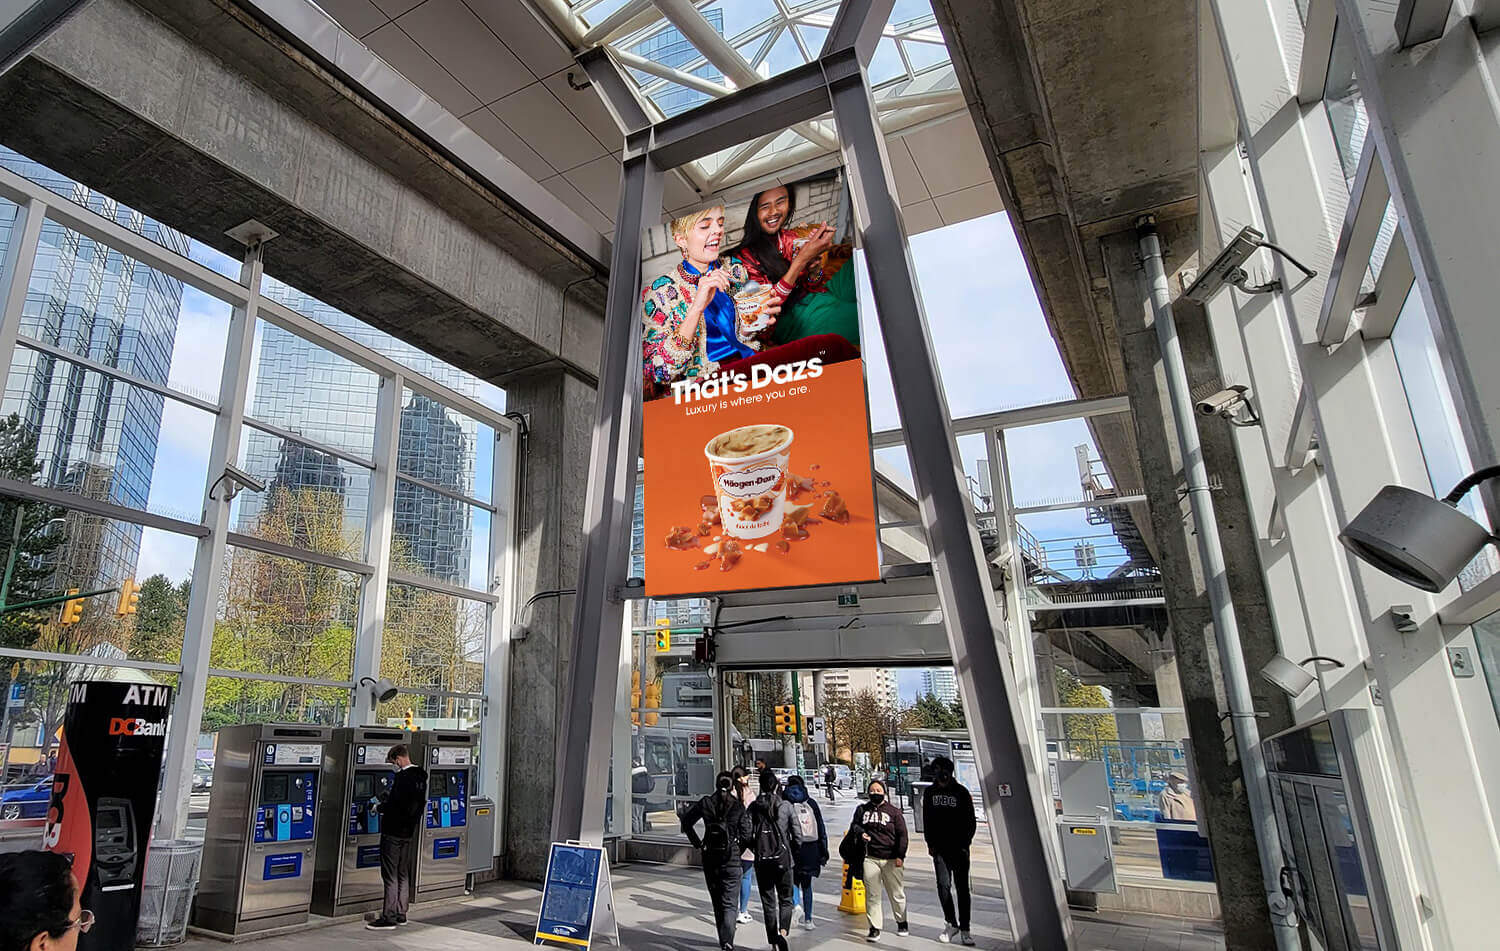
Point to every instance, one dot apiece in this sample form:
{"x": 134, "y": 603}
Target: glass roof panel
{"x": 784, "y": 55}
{"x": 925, "y": 55}
{"x": 771, "y": 37}
{"x": 886, "y": 64}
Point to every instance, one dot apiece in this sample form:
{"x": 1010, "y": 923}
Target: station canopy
{"x": 680, "y": 54}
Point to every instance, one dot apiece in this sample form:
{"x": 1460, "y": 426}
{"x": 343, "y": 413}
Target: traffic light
{"x": 72, "y": 609}
{"x": 130, "y": 596}
{"x": 409, "y": 714}
{"x": 786, "y": 718}
{"x": 663, "y": 635}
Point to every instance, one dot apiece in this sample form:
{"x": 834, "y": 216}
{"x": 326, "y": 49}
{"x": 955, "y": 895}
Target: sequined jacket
{"x": 664, "y": 306}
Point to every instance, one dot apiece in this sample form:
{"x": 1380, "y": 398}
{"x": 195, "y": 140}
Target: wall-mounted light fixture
{"x": 1416, "y": 538}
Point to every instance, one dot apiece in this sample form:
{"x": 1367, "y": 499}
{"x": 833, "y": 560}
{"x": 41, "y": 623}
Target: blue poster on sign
{"x": 575, "y": 894}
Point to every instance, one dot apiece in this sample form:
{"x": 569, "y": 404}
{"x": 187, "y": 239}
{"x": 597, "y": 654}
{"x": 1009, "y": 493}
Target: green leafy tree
{"x": 930, "y": 713}
{"x": 860, "y": 723}
{"x": 161, "y": 616}
{"x": 33, "y": 571}
{"x": 1086, "y": 733}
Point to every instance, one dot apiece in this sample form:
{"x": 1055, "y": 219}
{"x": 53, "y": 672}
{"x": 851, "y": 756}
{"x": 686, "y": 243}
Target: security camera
{"x": 237, "y": 479}
{"x": 1229, "y": 268}
{"x": 382, "y": 690}
{"x": 1226, "y": 400}
{"x": 236, "y": 474}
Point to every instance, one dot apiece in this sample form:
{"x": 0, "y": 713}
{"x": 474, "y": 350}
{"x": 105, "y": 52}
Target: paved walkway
{"x": 666, "y": 907}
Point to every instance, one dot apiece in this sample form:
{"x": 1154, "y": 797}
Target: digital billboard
{"x": 755, "y": 425}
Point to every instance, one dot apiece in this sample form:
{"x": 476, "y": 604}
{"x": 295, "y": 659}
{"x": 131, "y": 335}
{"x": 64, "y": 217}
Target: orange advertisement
{"x": 755, "y": 430}
{"x": 818, "y": 526}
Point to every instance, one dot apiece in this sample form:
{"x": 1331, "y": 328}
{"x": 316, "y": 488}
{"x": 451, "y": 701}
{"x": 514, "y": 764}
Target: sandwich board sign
{"x": 578, "y": 906}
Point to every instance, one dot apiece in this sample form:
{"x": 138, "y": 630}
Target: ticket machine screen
{"x": 285, "y": 808}
{"x": 371, "y": 789}
{"x": 447, "y": 798}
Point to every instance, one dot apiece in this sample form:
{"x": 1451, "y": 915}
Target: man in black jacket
{"x": 400, "y": 818}
{"x": 948, "y": 825}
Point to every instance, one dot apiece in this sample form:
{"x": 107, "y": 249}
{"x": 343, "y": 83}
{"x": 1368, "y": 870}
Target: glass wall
{"x": 110, "y": 415}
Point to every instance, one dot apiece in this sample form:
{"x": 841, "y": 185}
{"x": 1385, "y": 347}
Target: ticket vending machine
{"x": 262, "y": 822}
{"x": 443, "y": 852}
{"x": 357, "y": 780}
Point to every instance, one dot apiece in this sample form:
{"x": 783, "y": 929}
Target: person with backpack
{"x": 812, "y": 854}
{"x": 884, "y": 834}
{"x": 726, "y": 829}
{"x": 948, "y": 825}
{"x": 776, "y": 842}
{"x": 830, "y": 779}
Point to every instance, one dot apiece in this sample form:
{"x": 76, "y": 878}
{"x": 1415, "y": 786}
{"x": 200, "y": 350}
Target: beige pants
{"x": 884, "y": 875}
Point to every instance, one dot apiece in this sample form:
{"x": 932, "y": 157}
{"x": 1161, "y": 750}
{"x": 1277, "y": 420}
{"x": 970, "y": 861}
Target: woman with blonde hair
{"x": 691, "y": 325}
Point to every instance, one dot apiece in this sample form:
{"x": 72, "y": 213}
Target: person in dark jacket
{"x": 812, "y": 854}
{"x": 885, "y": 858}
{"x": 830, "y": 780}
{"x": 726, "y": 830}
{"x": 948, "y": 825}
{"x": 774, "y": 824}
{"x": 400, "y": 817}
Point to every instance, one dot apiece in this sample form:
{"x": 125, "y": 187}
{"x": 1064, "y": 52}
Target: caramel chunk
{"x": 834, "y": 509}
{"x": 681, "y": 538}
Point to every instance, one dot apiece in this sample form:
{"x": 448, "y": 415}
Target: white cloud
{"x": 165, "y": 553}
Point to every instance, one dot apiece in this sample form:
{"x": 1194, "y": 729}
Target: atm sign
{"x": 703, "y": 744}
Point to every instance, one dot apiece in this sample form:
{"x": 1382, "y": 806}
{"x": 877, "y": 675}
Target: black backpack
{"x": 768, "y": 845}
{"x": 716, "y": 835}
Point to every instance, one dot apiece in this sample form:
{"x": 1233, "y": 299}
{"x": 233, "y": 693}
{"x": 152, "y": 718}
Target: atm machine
{"x": 357, "y": 779}
{"x": 262, "y": 820}
{"x": 443, "y": 852}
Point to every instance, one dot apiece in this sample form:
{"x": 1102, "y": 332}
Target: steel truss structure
{"x": 835, "y": 82}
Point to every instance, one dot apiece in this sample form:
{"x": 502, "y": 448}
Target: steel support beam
{"x": 858, "y": 24}
{"x": 797, "y": 95}
{"x": 380, "y": 524}
{"x": 208, "y": 560}
{"x": 586, "y": 725}
{"x": 1031, "y": 883}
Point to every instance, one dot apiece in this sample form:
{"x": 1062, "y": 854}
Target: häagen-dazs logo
{"x": 750, "y": 482}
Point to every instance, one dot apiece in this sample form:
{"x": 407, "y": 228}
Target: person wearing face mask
{"x": 948, "y": 826}
{"x": 39, "y": 909}
{"x": 1175, "y": 802}
{"x": 726, "y": 828}
{"x": 884, "y": 834}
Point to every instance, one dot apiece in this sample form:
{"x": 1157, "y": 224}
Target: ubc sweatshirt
{"x": 948, "y": 818}
{"x": 886, "y": 827}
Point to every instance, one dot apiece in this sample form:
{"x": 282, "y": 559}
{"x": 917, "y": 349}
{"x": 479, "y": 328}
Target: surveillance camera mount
{"x": 1228, "y": 267}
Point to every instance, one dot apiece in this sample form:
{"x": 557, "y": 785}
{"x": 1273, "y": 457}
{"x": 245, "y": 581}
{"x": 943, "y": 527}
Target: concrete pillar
{"x": 1168, "y": 688}
{"x": 560, "y": 410}
{"x": 1220, "y": 781}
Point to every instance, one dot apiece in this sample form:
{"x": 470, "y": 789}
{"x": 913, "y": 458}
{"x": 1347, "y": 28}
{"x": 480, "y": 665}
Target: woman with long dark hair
{"x": 816, "y": 287}
{"x": 726, "y": 829}
{"x": 39, "y": 908}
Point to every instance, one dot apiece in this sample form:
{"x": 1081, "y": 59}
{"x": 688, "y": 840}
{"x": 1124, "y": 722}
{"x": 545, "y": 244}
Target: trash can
{"x": 167, "y": 895}
{"x": 918, "y": 790}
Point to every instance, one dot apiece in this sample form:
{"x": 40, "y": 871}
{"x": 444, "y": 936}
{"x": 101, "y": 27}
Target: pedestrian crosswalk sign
{"x": 578, "y": 905}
